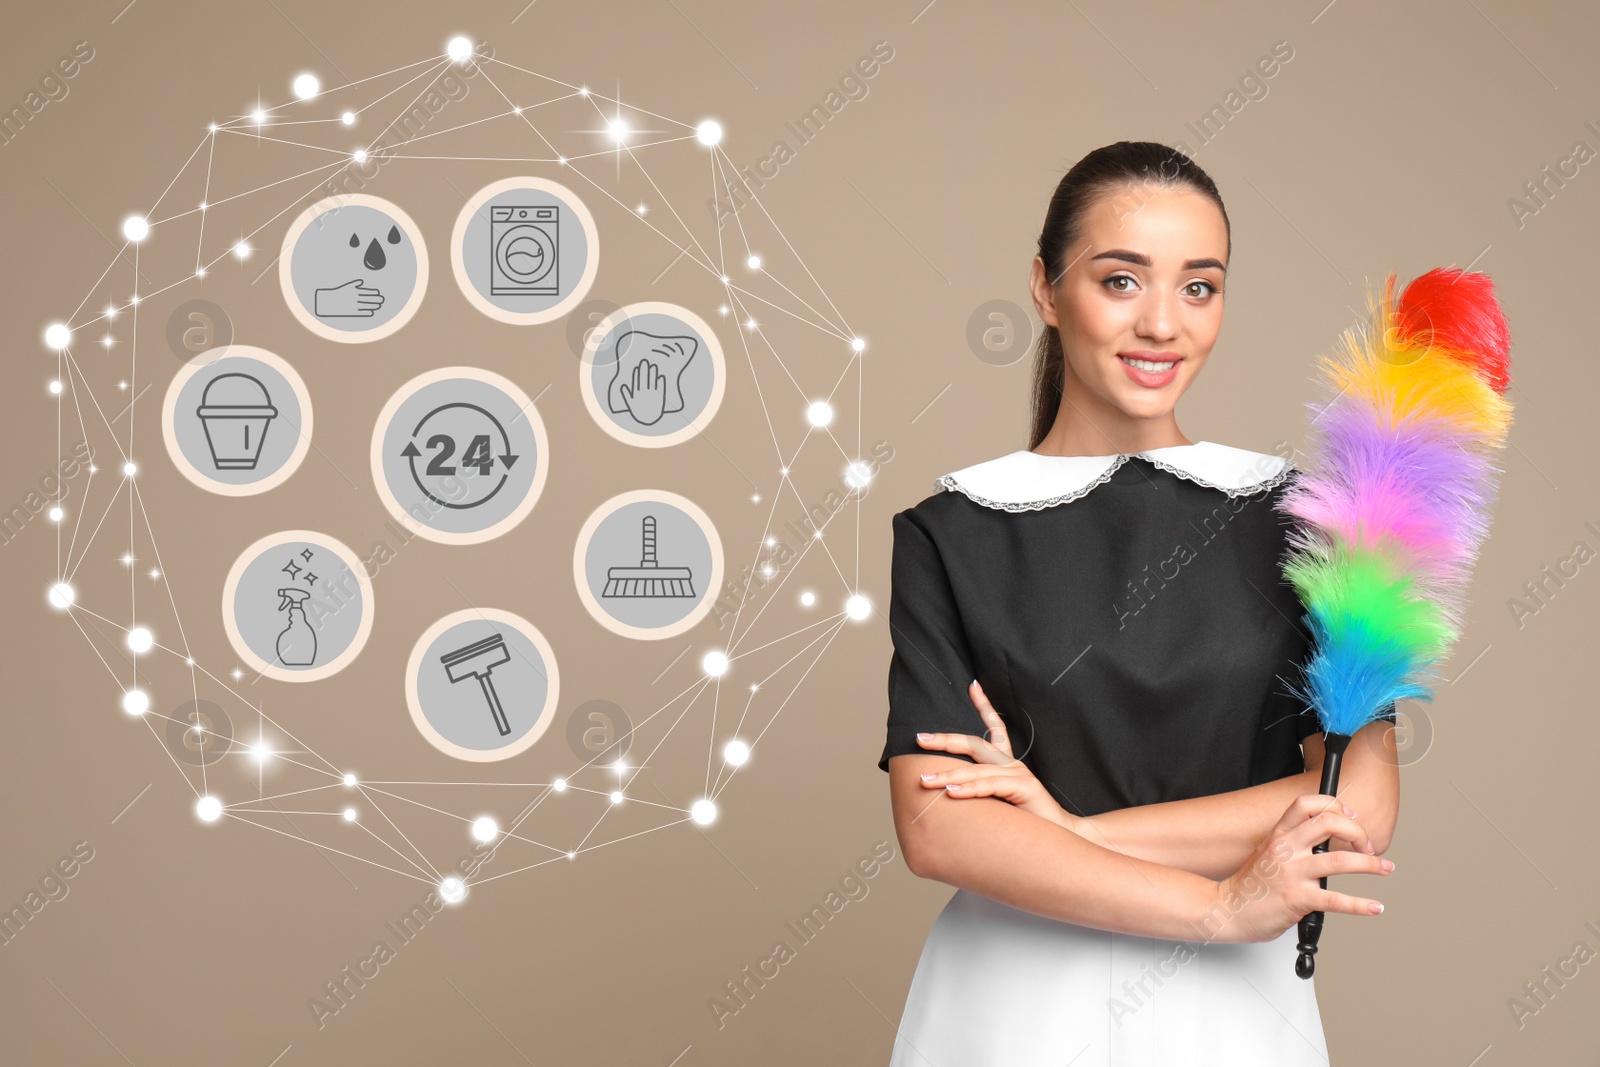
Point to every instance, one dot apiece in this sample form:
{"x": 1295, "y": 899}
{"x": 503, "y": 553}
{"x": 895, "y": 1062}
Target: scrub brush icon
{"x": 649, "y": 579}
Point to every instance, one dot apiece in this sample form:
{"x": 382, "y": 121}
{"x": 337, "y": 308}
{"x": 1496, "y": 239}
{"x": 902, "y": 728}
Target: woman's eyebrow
{"x": 1144, "y": 260}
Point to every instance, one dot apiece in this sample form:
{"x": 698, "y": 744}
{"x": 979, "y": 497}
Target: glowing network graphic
{"x": 459, "y": 454}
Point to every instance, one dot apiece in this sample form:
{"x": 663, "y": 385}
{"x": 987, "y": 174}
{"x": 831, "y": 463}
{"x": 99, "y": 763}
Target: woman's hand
{"x": 997, "y": 773}
{"x": 1278, "y": 885}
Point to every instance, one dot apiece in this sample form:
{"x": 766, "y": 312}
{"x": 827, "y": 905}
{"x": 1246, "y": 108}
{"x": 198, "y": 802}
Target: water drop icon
{"x": 394, "y": 235}
{"x": 355, "y": 242}
{"x": 374, "y": 259}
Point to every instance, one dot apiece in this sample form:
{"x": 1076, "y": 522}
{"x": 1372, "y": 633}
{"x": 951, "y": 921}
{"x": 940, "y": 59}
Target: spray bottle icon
{"x": 297, "y": 644}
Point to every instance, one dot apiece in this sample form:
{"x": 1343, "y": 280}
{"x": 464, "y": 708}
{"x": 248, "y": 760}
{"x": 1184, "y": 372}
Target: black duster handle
{"x": 1311, "y": 926}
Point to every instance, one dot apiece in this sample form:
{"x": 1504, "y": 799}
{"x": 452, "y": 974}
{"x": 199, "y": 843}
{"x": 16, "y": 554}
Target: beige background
{"x": 1393, "y": 140}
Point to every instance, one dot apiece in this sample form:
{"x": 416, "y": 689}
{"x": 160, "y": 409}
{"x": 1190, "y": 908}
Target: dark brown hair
{"x": 1101, "y": 171}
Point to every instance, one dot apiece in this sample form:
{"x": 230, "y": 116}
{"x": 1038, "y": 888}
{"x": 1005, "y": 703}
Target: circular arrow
{"x": 507, "y": 458}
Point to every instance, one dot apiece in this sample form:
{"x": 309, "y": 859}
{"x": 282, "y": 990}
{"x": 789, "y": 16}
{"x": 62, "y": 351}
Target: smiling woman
{"x": 1108, "y": 800}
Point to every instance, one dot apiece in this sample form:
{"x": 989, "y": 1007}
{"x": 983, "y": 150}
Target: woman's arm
{"x": 1213, "y": 835}
{"x": 990, "y": 847}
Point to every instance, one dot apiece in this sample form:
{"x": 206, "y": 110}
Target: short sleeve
{"x": 932, "y": 661}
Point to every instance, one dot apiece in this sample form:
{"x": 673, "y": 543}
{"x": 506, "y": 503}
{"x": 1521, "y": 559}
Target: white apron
{"x": 1001, "y": 987}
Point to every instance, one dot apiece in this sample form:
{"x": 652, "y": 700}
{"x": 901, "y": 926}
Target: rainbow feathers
{"x": 1394, "y": 502}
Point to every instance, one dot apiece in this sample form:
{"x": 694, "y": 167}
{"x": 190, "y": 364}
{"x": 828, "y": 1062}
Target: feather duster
{"x": 1393, "y": 505}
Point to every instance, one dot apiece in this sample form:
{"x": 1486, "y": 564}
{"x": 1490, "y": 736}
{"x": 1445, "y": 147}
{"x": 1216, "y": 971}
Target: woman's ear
{"x": 1044, "y": 301}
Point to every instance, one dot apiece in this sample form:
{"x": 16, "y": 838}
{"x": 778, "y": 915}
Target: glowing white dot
{"x": 212, "y": 127}
{"x": 709, "y": 132}
{"x": 754, "y": 262}
{"x": 130, "y": 468}
{"x": 139, "y": 639}
{"x": 204, "y": 205}
{"x": 111, "y": 312}
{"x": 616, "y": 796}
{"x": 619, "y": 766}
{"x": 349, "y": 779}
{"x": 62, "y": 595}
{"x": 703, "y": 812}
{"x": 858, "y": 607}
{"x": 208, "y": 808}
{"x": 571, "y": 855}
{"x": 516, "y": 110}
{"x": 452, "y": 890}
{"x": 750, "y": 323}
{"x": 485, "y": 829}
{"x": 857, "y": 344}
{"x": 641, "y": 209}
{"x": 135, "y": 702}
{"x": 261, "y": 752}
{"x": 459, "y": 49}
{"x": 583, "y": 91}
{"x": 736, "y": 753}
{"x": 808, "y": 598}
{"x": 57, "y": 336}
{"x": 618, "y": 130}
{"x": 55, "y": 388}
{"x": 560, "y": 785}
{"x": 135, "y": 228}
{"x": 348, "y": 118}
{"x": 820, "y": 413}
{"x": 56, "y": 514}
{"x": 714, "y": 663}
{"x": 306, "y": 86}
{"x": 258, "y": 116}
{"x": 199, "y": 272}
{"x": 134, "y": 300}
{"x": 359, "y": 155}
{"x": 349, "y": 814}
{"x": 857, "y": 475}
{"x": 241, "y": 249}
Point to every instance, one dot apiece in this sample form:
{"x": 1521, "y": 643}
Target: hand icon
{"x": 350, "y": 300}
{"x": 647, "y": 396}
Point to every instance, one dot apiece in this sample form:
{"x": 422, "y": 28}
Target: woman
{"x": 1089, "y": 733}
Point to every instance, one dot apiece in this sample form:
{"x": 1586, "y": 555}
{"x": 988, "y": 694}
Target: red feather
{"x": 1456, "y": 310}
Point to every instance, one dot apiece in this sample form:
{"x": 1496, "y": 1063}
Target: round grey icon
{"x": 238, "y": 423}
{"x": 481, "y": 684}
{"x": 648, "y": 565}
{"x": 354, "y": 268}
{"x": 460, "y": 454}
{"x": 599, "y": 732}
{"x": 195, "y": 326}
{"x": 999, "y": 332}
{"x": 524, "y": 250}
{"x": 199, "y": 733}
{"x": 655, "y": 376}
{"x": 297, "y": 605}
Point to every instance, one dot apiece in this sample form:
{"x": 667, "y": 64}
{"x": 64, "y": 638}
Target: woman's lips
{"x": 1152, "y": 379}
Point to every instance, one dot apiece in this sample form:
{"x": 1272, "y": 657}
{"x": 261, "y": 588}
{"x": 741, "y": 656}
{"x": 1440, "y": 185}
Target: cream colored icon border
{"x": 712, "y": 589}
{"x": 286, "y": 281}
{"x": 597, "y": 336}
{"x": 552, "y": 694}
{"x": 563, "y": 305}
{"x": 271, "y": 670}
{"x": 525, "y": 406}
{"x": 169, "y": 413}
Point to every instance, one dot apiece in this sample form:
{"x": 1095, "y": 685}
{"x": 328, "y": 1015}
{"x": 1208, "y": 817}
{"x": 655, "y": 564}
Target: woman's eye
{"x": 1111, "y": 282}
{"x": 1207, "y": 288}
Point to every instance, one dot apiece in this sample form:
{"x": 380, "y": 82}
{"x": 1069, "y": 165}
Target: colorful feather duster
{"x": 1394, "y": 504}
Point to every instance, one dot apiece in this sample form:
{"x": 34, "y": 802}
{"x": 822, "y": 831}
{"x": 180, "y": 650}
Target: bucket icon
{"x": 235, "y": 411}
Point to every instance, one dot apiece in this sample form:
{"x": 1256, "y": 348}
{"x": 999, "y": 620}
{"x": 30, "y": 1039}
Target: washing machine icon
{"x": 524, "y": 250}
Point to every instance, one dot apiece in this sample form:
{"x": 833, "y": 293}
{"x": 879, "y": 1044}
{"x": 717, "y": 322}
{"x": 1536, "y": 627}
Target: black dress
{"x": 1127, "y": 618}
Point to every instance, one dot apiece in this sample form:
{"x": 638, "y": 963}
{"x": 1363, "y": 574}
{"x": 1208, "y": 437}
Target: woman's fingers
{"x": 998, "y": 737}
{"x": 1328, "y": 900}
{"x": 1327, "y": 825}
{"x": 965, "y": 744}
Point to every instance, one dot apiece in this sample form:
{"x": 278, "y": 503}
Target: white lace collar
{"x": 1027, "y": 481}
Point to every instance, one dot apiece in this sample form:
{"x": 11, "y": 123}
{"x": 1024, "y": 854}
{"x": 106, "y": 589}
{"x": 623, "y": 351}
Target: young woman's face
{"x": 1141, "y": 302}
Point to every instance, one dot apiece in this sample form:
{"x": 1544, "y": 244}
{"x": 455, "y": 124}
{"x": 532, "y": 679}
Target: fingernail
{"x": 1349, "y": 811}
{"x": 929, "y": 777}
{"x": 923, "y": 737}
{"x": 953, "y": 786}
{"x": 1376, "y": 908}
{"x": 1388, "y": 865}
{"x": 972, "y": 683}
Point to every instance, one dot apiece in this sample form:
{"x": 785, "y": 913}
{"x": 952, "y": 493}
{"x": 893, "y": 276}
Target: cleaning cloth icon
{"x": 297, "y": 644}
{"x": 646, "y": 382}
